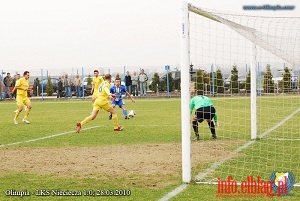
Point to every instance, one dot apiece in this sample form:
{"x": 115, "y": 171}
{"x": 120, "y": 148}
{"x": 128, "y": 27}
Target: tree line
{"x": 215, "y": 81}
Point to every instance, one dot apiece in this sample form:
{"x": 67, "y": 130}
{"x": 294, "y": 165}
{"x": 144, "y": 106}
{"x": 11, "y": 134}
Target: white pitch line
{"x": 155, "y": 125}
{"x": 175, "y": 192}
{"x": 64, "y": 133}
{"x": 218, "y": 163}
{"x": 148, "y": 125}
{"x": 46, "y": 137}
{"x": 279, "y": 124}
{"x": 283, "y": 139}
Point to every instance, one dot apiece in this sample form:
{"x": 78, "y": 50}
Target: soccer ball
{"x": 131, "y": 113}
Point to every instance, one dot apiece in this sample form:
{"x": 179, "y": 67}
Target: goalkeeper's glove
{"x": 217, "y": 124}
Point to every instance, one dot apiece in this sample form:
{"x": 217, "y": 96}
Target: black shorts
{"x": 205, "y": 113}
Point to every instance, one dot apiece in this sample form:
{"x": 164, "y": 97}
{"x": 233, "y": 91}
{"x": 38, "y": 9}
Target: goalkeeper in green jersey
{"x": 204, "y": 110}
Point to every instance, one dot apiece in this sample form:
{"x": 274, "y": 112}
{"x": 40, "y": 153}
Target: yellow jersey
{"x": 96, "y": 82}
{"x": 22, "y": 82}
{"x": 103, "y": 91}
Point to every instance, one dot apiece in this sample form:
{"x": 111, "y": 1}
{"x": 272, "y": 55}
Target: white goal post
{"x": 185, "y": 95}
{"x": 261, "y": 48}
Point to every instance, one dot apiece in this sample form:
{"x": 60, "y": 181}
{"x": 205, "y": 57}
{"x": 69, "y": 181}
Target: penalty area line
{"x": 46, "y": 137}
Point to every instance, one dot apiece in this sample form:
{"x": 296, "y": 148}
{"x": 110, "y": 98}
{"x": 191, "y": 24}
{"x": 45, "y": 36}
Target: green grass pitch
{"x": 146, "y": 157}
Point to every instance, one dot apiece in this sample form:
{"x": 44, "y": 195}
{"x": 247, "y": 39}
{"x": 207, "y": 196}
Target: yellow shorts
{"x": 21, "y": 101}
{"x": 101, "y": 104}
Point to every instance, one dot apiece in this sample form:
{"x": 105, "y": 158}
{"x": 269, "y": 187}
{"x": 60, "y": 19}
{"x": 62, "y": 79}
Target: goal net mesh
{"x": 222, "y": 47}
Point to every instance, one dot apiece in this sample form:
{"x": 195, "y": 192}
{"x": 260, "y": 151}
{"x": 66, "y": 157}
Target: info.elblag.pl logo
{"x": 282, "y": 183}
{"x": 279, "y": 184}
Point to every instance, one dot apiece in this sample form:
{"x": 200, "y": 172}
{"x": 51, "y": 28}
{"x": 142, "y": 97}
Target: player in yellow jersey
{"x": 97, "y": 80}
{"x": 22, "y": 86}
{"x": 100, "y": 101}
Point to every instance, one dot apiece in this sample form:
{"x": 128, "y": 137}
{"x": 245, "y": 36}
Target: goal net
{"x": 249, "y": 67}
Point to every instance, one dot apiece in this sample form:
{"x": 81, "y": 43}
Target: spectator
{"x": 77, "y": 83}
{"x": 128, "y": 83}
{"x": 7, "y": 83}
{"x": 134, "y": 82}
{"x": 67, "y": 85}
{"x": 36, "y": 85}
{"x": 143, "y": 78}
{"x": 59, "y": 88}
{"x": 13, "y": 84}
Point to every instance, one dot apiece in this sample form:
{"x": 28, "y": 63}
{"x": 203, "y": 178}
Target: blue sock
{"x": 125, "y": 113}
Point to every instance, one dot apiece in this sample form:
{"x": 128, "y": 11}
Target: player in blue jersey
{"x": 118, "y": 90}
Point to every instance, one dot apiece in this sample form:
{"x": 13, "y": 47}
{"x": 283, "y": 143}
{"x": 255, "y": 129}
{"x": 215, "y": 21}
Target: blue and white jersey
{"x": 118, "y": 91}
